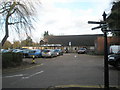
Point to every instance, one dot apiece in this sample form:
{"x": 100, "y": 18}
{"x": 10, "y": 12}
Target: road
{"x": 69, "y": 69}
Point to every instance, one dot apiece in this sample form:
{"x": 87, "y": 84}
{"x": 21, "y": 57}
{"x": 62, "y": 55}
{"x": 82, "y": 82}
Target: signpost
{"x": 70, "y": 44}
{"x": 106, "y": 69}
{"x": 104, "y": 29}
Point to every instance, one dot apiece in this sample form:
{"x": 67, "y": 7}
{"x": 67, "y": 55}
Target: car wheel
{"x": 52, "y": 56}
{"x": 39, "y": 56}
{"x": 117, "y": 63}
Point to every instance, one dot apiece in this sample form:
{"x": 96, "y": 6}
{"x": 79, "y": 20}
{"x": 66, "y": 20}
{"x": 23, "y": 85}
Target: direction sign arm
{"x": 96, "y": 27}
{"x": 94, "y": 22}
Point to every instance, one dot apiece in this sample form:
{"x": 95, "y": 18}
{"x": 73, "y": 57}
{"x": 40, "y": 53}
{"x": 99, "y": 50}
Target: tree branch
{"x": 14, "y": 23}
{"x": 6, "y": 10}
{"x": 9, "y": 14}
{"x": 23, "y": 6}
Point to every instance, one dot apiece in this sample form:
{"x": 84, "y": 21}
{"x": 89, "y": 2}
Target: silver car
{"x": 48, "y": 53}
{"x": 82, "y": 50}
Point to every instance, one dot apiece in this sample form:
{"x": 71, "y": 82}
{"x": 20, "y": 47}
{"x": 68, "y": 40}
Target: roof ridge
{"x": 80, "y": 35}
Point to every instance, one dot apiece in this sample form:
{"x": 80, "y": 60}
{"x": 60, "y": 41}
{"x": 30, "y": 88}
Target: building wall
{"x": 74, "y": 49}
{"x": 100, "y": 43}
{"x": 114, "y": 41}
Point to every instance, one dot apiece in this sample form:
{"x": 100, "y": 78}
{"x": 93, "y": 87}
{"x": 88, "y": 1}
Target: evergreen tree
{"x": 114, "y": 18}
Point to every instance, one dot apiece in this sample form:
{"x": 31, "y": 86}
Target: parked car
{"x": 17, "y": 51}
{"x": 82, "y": 50}
{"x": 58, "y": 51}
{"x": 48, "y": 53}
{"x": 114, "y": 49}
{"x": 26, "y": 53}
{"x": 4, "y": 51}
{"x": 114, "y": 59}
{"x": 37, "y": 53}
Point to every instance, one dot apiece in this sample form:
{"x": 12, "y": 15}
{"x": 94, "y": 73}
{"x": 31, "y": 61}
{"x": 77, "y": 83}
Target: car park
{"x": 48, "y": 53}
{"x": 114, "y": 59}
{"x": 82, "y": 51}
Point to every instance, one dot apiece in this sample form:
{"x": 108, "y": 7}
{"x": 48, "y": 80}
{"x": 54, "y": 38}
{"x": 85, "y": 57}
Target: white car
{"x": 82, "y": 50}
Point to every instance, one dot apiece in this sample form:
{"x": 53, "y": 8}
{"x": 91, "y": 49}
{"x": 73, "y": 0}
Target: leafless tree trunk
{"x": 18, "y": 15}
{"x": 6, "y": 31}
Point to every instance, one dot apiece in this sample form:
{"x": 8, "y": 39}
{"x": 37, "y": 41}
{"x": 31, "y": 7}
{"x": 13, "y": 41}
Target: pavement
{"x": 27, "y": 64}
{"x": 52, "y": 88}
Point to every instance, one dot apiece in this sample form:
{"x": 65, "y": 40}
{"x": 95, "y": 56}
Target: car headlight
{"x": 108, "y": 56}
{"x": 49, "y": 53}
{"x": 111, "y": 57}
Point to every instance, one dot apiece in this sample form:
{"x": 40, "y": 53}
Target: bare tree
{"x": 16, "y": 15}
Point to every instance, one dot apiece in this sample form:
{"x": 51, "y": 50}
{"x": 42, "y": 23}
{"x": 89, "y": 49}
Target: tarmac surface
{"x": 67, "y": 72}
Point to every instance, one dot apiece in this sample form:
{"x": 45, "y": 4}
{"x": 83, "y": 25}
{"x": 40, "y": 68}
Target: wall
{"x": 100, "y": 43}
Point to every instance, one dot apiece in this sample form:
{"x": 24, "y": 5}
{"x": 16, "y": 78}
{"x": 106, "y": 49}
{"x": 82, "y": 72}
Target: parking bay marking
{"x": 13, "y": 83}
{"x": 19, "y": 75}
{"x": 34, "y": 66}
{"x": 32, "y": 75}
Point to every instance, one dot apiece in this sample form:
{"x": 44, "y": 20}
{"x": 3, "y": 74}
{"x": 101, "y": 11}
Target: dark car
{"x": 82, "y": 51}
{"x": 114, "y": 59}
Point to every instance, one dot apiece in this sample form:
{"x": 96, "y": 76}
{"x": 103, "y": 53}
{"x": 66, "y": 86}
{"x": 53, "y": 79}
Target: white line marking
{"x": 34, "y": 66}
{"x": 32, "y": 75}
{"x": 75, "y": 56}
{"x": 41, "y": 64}
{"x": 19, "y": 75}
{"x": 67, "y": 54}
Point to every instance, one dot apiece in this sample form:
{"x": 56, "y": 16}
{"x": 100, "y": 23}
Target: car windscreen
{"x": 56, "y": 50}
{"x": 82, "y": 48}
{"x": 46, "y": 51}
{"x": 33, "y": 51}
{"x": 118, "y": 52}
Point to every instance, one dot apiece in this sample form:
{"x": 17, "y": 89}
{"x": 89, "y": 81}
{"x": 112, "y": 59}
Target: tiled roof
{"x": 76, "y": 40}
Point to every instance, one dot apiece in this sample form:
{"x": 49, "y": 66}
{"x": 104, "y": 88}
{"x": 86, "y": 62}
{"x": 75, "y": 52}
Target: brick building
{"x": 74, "y": 42}
{"x": 92, "y": 42}
{"x": 100, "y": 43}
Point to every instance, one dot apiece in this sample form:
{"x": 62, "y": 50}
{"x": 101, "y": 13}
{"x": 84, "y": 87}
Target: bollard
{"x": 33, "y": 60}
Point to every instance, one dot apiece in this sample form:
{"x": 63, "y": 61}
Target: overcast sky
{"x": 68, "y": 17}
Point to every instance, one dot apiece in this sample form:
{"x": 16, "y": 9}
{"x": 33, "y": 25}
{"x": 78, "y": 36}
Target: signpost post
{"x": 106, "y": 69}
{"x": 70, "y": 44}
{"x": 104, "y": 29}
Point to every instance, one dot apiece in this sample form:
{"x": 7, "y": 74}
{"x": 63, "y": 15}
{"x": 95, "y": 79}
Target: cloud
{"x": 66, "y": 20}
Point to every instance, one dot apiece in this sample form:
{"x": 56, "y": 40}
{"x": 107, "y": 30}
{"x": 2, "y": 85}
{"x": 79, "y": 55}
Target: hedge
{"x": 11, "y": 59}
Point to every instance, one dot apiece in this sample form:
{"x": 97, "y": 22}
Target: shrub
{"x": 91, "y": 52}
{"x": 11, "y": 59}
